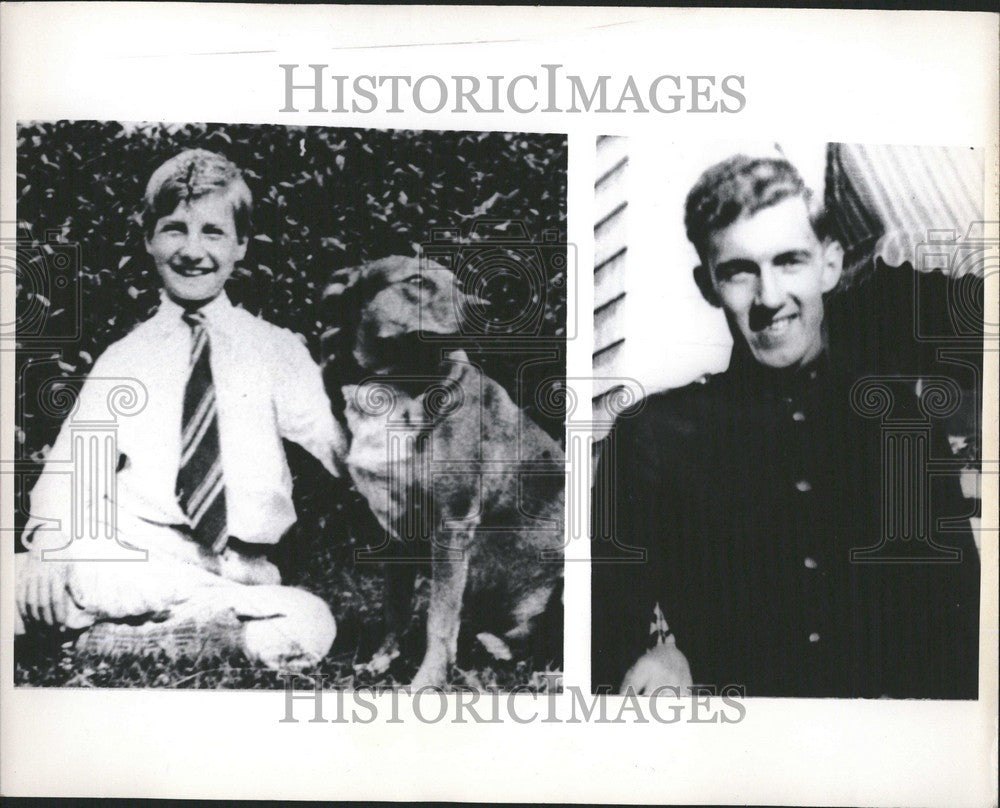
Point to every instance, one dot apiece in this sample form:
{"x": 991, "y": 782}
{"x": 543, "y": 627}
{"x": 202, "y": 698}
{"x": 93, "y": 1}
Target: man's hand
{"x": 662, "y": 666}
{"x": 42, "y": 589}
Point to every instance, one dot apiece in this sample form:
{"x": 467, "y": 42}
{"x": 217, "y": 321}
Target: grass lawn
{"x": 319, "y": 556}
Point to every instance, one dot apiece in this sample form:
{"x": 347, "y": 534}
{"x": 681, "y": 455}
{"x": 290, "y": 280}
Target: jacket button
{"x": 810, "y": 563}
{"x": 804, "y": 486}
{"x": 799, "y": 416}
{"x": 814, "y": 637}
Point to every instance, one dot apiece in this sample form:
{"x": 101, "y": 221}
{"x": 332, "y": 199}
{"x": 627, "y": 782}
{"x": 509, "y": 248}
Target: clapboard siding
{"x": 609, "y": 192}
{"x": 609, "y": 280}
{"x": 609, "y": 236}
{"x": 606, "y": 362}
{"x": 609, "y": 325}
{"x": 610, "y": 240}
{"x": 610, "y": 259}
{"x": 611, "y": 150}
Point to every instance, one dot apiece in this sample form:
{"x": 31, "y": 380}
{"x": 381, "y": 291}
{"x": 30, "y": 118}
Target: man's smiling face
{"x": 196, "y": 248}
{"x": 769, "y": 272}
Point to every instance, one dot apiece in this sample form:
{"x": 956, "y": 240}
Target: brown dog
{"x": 444, "y": 458}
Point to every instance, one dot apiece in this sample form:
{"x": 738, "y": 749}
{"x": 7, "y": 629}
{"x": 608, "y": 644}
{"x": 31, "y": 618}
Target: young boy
{"x": 202, "y": 486}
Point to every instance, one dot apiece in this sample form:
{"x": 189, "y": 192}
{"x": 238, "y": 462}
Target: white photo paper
{"x": 501, "y": 404}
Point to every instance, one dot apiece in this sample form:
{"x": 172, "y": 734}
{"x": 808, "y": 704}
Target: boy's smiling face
{"x": 196, "y": 248}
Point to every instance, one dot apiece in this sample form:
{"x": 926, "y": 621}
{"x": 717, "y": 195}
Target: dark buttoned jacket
{"x": 801, "y": 534}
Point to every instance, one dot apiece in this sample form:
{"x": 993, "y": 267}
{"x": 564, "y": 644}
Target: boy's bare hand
{"x": 42, "y": 589}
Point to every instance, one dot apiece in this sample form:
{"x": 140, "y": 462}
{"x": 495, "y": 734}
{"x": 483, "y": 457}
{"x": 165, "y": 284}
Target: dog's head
{"x": 379, "y": 312}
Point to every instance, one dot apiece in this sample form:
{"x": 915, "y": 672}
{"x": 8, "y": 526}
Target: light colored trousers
{"x": 282, "y": 627}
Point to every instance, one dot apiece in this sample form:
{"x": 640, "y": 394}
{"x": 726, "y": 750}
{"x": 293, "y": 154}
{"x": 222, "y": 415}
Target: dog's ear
{"x": 340, "y": 281}
{"x": 336, "y": 302}
{"x": 337, "y": 314}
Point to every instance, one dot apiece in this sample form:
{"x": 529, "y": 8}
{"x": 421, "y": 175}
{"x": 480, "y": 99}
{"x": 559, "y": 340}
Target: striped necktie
{"x": 201, "y": 489}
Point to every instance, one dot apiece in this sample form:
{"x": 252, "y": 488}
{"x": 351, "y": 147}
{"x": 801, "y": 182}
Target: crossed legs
{"x": 172, "y": 596}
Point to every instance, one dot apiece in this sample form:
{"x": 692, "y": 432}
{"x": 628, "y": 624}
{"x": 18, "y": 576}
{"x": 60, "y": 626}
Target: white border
{"x": 878, "y": 77}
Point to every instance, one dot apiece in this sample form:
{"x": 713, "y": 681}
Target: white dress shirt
{"x": 267, "y": 388}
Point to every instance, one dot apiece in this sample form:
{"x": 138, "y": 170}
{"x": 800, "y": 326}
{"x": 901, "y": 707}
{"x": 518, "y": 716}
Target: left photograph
{"x": 288, "y": 400}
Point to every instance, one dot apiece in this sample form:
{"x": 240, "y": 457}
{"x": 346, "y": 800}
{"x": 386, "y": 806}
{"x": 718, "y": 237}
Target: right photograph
{"x": 788, "y": 356}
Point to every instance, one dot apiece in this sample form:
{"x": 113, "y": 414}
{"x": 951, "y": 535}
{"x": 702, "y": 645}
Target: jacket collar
{"x": 757, "y": 379}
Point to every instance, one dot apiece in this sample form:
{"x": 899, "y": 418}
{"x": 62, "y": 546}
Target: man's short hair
{"x": 193, "y": 174}
{"x": 741, "y": 186}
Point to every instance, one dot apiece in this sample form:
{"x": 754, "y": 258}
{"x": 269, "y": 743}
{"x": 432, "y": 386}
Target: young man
{"x": 201, "y": 484}
{"x": 750, "y": 544}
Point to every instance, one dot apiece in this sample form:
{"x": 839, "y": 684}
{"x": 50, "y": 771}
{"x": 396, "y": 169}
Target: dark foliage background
{"x": 323, "y": 199}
